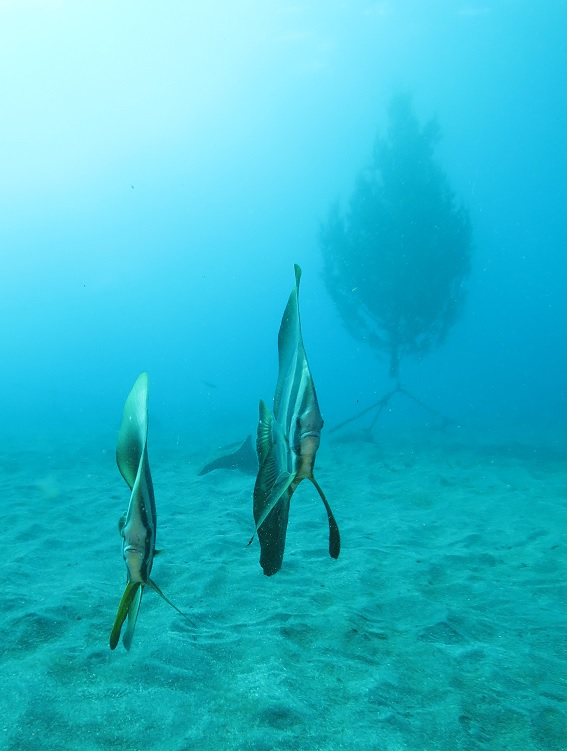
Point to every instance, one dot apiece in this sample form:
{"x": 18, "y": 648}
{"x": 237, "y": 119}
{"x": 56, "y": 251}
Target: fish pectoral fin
{"x": 123, "y": 609}
{"x": 281, "y": 485}
{"x": 334, "y": 534}
{"x": 158, "y": 591}
{"x": 122, "y": 522}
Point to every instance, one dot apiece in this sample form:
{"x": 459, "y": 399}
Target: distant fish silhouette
{"x": 244, "y": 459}
{"x": 287, "y": 443}
{"x": 138, "y": 524}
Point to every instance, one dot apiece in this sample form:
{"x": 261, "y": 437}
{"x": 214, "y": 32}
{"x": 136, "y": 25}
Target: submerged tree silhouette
{"x": 395, "y": 265}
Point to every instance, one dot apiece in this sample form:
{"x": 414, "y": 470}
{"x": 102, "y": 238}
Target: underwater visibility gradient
{"x": 243, "y": 512}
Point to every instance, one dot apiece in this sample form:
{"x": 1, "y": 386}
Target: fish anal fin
{"x": 264, "y": 502}
{"x": 123, "y": 608}
{"x": 133, "y": 611}
{"x": 271, "y": 512}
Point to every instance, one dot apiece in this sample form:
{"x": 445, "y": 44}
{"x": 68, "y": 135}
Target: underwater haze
{"x": 162, "y": 168}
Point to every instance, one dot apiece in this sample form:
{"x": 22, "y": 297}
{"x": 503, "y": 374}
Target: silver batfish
{"x": 138, "y": 525}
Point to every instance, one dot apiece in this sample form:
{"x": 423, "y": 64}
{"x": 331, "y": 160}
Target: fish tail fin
{"x": 132, "y": 592}
{"x": 158, "y": 591}
{"x": 334, "y": 534}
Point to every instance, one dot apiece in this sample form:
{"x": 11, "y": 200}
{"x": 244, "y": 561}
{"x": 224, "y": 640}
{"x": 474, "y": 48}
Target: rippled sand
{"x": 441, "y": 626}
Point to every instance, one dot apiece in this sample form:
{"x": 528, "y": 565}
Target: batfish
{"x": 244, "y": 459}
{"x": 287, "y": 443}
{"x": 138, "y": 524}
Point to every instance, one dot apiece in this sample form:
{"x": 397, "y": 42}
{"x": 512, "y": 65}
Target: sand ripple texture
{"x": 441, "y": 626}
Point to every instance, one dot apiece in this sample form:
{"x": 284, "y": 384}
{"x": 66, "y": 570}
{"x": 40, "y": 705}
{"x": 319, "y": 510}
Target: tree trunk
{"x": 394, "y": 361}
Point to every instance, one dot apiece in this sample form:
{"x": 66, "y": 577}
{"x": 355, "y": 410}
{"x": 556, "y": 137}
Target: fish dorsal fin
{"x": 133, "y": 431}
{"x": 290, "y": 349}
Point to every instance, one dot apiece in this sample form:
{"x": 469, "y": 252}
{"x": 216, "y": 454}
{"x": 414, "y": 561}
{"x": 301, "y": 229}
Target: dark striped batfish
{"x": 138, "y": 525}
{"x": 243, "y": 459}
{"x": 287, "y": 443}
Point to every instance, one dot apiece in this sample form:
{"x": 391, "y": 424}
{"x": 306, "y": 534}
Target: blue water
{"x": 162, "y": 167}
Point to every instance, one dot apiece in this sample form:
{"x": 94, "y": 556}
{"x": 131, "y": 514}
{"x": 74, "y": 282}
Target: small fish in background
{"x": 138, "y": 524}
{"x": 287, "y": 443}
{"x": 243, "y": 459}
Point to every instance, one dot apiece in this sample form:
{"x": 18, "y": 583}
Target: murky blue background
{"x": 163, "y": 165}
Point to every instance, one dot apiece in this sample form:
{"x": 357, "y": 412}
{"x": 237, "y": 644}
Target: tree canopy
{"x": 396, "y": 263}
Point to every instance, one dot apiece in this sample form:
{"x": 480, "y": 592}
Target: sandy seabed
{"x": 442, "y": 626}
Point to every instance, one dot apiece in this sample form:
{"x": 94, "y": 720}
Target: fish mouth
{"x": 128, "y": 549}
{"x": 309, "y": 442}
{"x": 311, "y": 434}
